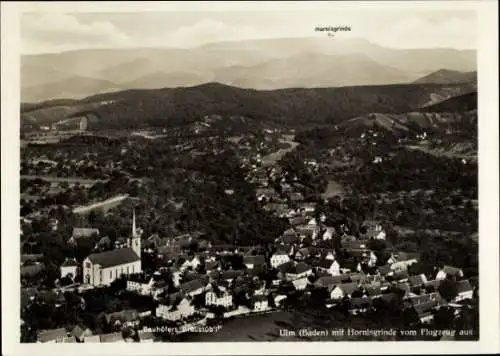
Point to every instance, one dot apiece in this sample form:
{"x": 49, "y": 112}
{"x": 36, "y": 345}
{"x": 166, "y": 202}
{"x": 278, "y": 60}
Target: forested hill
{"x": 459, "y": 103}
{"x": 178, "y": 106}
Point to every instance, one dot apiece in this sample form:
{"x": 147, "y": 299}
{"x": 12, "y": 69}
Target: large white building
{"x": 104, "y": 267}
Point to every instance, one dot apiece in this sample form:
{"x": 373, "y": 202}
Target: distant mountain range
{"x": 257, "y": 64}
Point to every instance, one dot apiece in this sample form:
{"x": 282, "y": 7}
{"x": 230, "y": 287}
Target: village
{"x": 186, "y": 281}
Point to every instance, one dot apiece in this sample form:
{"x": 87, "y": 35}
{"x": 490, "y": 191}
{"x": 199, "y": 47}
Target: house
{"x": 52, "y": 335}
{"x": 192, "y": 263}
{"x": 80, "y": 333}
{"x": 343, "y": 290}
{"x": 402, "y": 256}
{"x": 140, "y": 284}
{"x": 385, "y": 270}
{"x": 298, "y": 271}
{"x": 301, "y": 283}
{"x": 180, "y": 311}
{"x": 111, "y": 337}
{"x": 424, "y": 298}
{"x": 290, "y": 237}
{"x": 104, "y": 267}
{"x": 298, "y": 221}
{"x": 405, "y": 287}
{"x": 372, "y": 291}
{"x": 82, "y": 233}
{"x": 372, "y": 230}
{"x": 260, "y": 303}
{"x": 401, "y": 265}
{"x": 401, "y": 276}
{"x": 424, "y": 311}
{"x": 332, "y": 267}
{"x": 302, "y": 254}
{"x": 194, "y": 287}
{"x": 145, "y": 336}
{"x": 230, "y": 275}
{"x": 93, "y": 338}
{"x": 464, "y": 290}
{"x": 326, "y": 281}
{"x": 279, "y": 258}
{"x": 449, "y": 271}
{"x": 433, "y": 285}
{"x": 69, "y": 268}
{"x": 418, "y": 280}
{"x": 312, "y": 222}
{"x": 359, "y": 305}
{"x": 124, "y": 318}
{"x": 221, "y": 297}
{"x": 252, "y": 262}
{"x": 307, "y": 231}
{"x": 330, "y": 255}
{"x": 307, "y": 207}
{"x": 69, "y": 339}
{"x": 278, "y": 300}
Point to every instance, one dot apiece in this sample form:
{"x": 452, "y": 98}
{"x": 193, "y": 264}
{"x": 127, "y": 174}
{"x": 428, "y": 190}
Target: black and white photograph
{"x": 275, "y": 173}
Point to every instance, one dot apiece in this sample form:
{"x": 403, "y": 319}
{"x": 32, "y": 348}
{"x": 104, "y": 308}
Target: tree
{"x": 448, "y": 289}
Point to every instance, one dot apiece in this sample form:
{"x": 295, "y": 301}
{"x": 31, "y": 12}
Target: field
{"x": 104, "y": 205}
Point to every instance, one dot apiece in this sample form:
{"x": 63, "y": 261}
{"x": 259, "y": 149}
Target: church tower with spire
{"x": 135, "y": 239}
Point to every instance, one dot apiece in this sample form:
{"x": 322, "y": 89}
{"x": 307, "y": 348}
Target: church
{"x": 104, "y": 267}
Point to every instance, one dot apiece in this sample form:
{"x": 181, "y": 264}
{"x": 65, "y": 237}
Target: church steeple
{"x": 134, "y": 228}
{"x": 135, "y": 238}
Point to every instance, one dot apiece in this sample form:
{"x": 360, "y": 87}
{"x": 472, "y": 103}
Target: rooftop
{"x": 114, "y": 257}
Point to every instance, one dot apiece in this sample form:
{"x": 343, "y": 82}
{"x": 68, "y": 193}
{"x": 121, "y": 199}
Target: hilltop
{"x": 294, "y": 106}
{"x": 445, "y": 76}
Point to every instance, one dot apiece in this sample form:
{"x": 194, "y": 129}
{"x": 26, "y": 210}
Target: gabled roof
{"x": 451, "y": 271}
{"x": 285, "y": 267}
{"x": 259, "y": 298}
{"x": 348, "y": 288}
{"x": 302, "y": 267}
{"x": 417, "y": 280}
{"x": 464, "y": 286}
{"x": 434, "y": 283}
{"x": 70, "y": 262}
{"x": 114, "y": 257}
{"x": 423, "y": 308}
{"x": 324, "y": 263}
{"x": 122, "y": 316}
{"x": 191, "y": 286}
{"x": 424, "y": 298}
{"x": 388, "y": 297}
{"x": 360, "y": 302}
{"x": 52, "y": 334}
{"x": 79, "y": 331}
{"x": 373, "y": 290}
{"x": 231, "y": 274}
{"x": 92, "y": 338}
{"x": 111, "y": 337}
{"x": 385, "y": 269}
{"x": 332, "y": 280}
{"x": 284, "y": 249}
{"x": 254, "y": 260}
{"x": 326, "y": 281}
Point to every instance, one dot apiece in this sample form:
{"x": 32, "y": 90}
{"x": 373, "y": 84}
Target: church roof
{"x": 114, "y": 257}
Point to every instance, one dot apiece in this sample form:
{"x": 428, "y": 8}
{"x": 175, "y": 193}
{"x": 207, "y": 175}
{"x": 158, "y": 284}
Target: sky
{"x": 50, "y": 31}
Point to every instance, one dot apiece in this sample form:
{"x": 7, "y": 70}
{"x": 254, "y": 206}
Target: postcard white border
{"x": 489, "y": 251}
